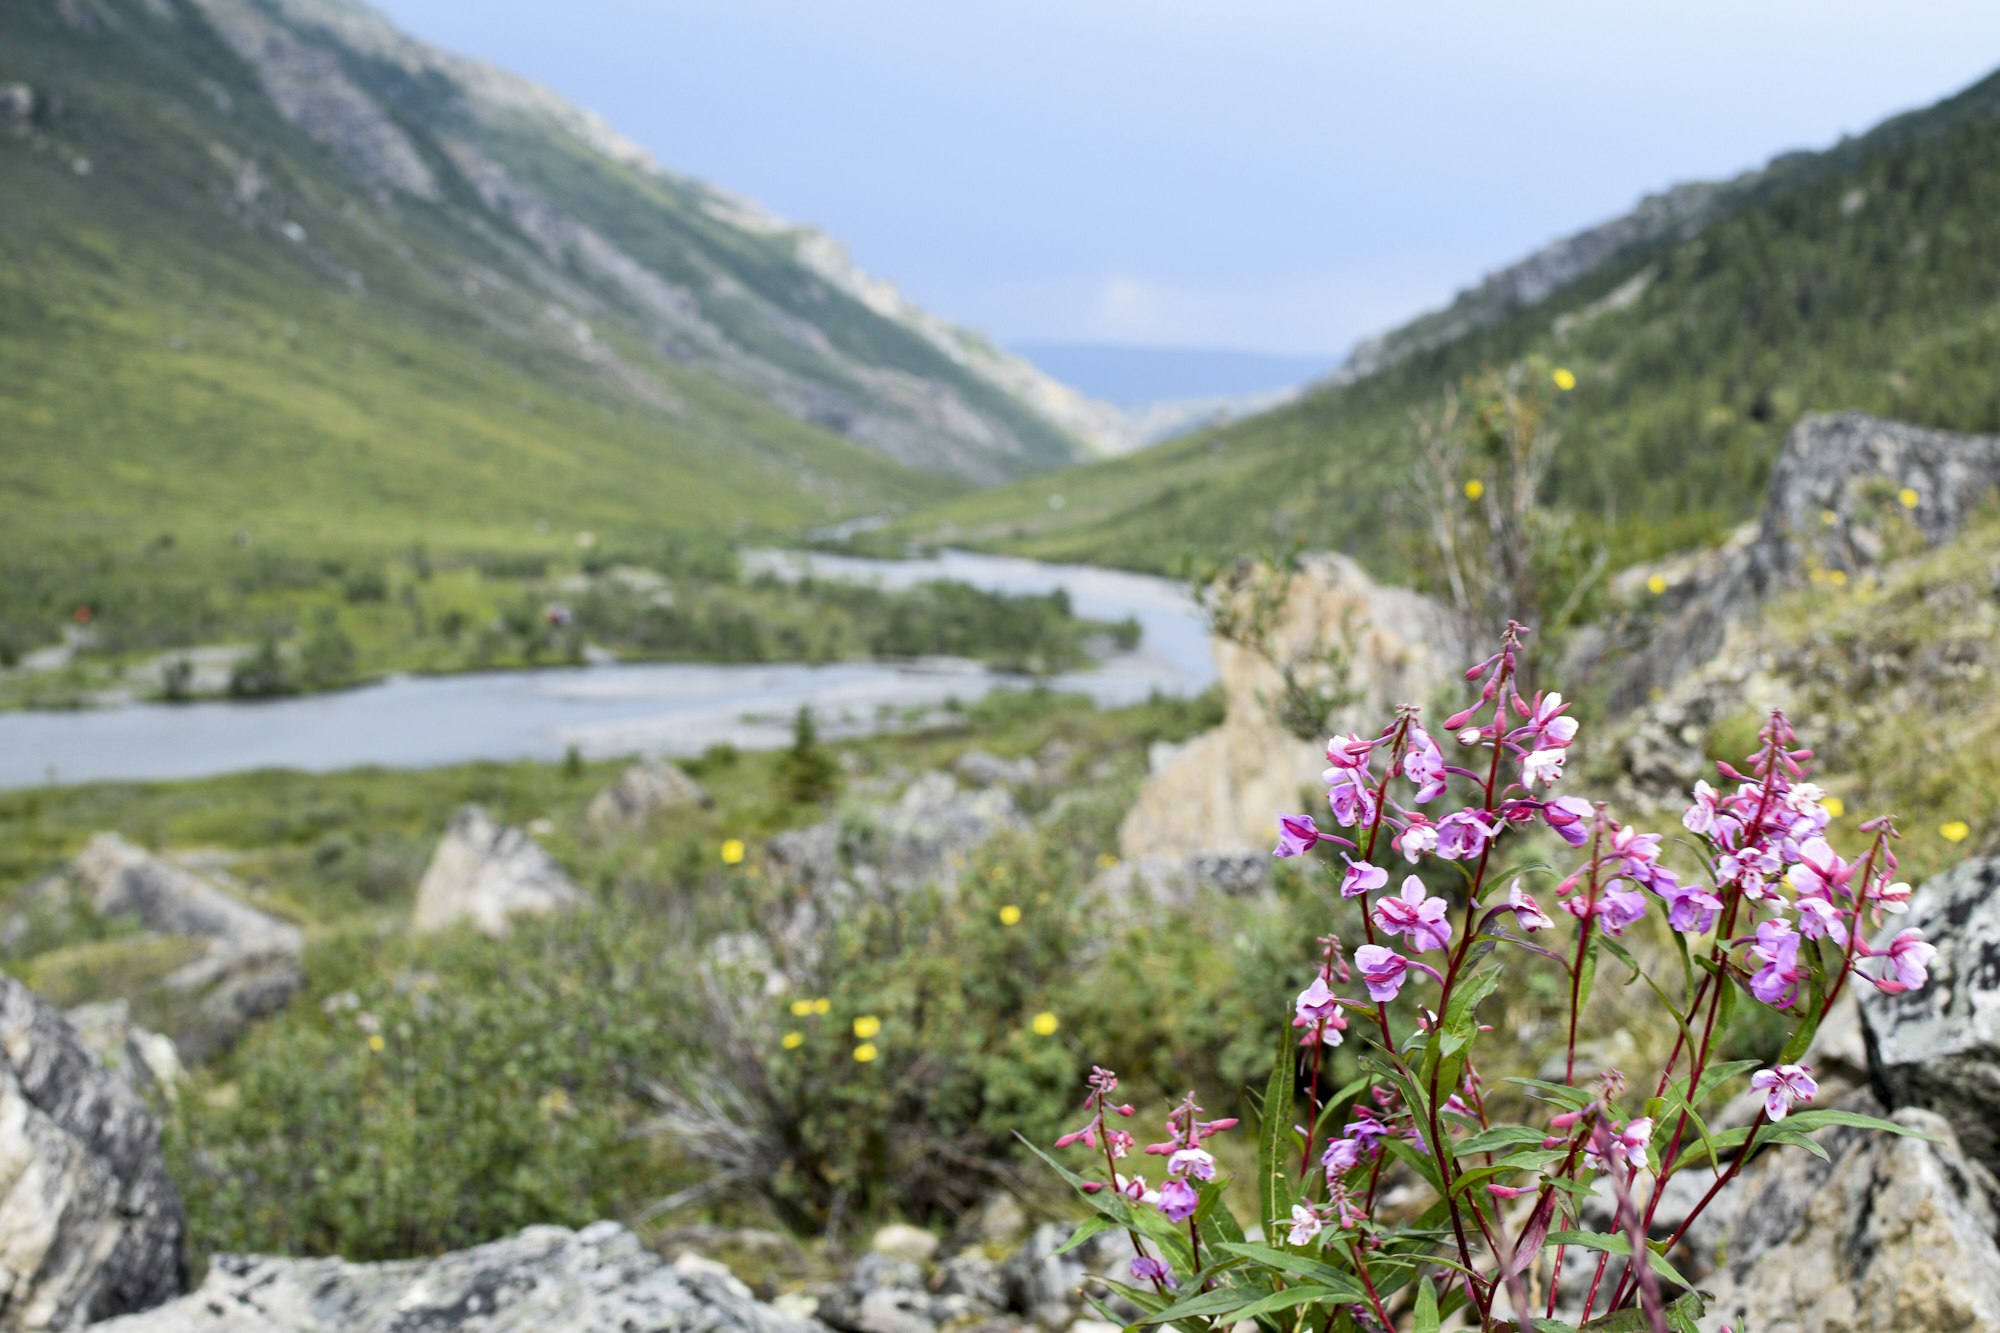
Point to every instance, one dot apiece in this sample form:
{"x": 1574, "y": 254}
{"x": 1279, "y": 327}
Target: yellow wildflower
{"x": 1656, "y": 584}
{"x": 376, "y": 1044}
{"x": 1835, "y": 807}
{"x": 867, "y": 1026}
{"x": 865, "y": 1052}
{"x": 1045, "y": 1024}
{"x": 733, "y": 852}
{"x": 1907, "y": 497}
{"x": 1106, "y": 861}
{"x": 1010, "y": 915}
{"x": 800, "y": 1008}
{"x": 1828, "y": 517}
{"x": 1956, "y": 831}
{"x": 1474, "y": 489}
{"x": 791, "y": 1041}
{"x": 1837, "y": 577}
{"x": 822, "y": 1005}
{"x": 1565, "y": 378}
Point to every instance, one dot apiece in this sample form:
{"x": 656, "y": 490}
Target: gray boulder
{"x": 543, "y": 1280}
{"x": 90, "y": 1223}
{"x": 148, "y": 1061}
{"x": 642, "y": 791}
{"x": 1939, "y": 1047}
{"x": 1833, "y": 502}
{"x": 251, "y": 965}
{"x": 1892, "y": 1235}
{"x": 486, "y": 874}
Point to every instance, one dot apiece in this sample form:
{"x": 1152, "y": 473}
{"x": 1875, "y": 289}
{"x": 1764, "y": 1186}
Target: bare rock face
{"x": 641, "y": 791}
{"x": 1223, "y": 790}
{"x": 1939, "y": 1047}
{"x": 251, "y": 965}
{"x": 148, "y": 1061}
{"x": 90, "y": 1224}
{"x": 543, "y": 1280}
{"x": 1847, "y": 492}
{"x": 486, "y": 873}
{"x": 1893, "y": 1235}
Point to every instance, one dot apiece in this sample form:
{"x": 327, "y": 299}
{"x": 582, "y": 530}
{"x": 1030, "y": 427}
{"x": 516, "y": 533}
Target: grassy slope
{"x": 169, "y": 369}
{"x": 1867, "y": 276}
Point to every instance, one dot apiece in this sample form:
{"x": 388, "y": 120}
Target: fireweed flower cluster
{"x": 1766, "y": 911}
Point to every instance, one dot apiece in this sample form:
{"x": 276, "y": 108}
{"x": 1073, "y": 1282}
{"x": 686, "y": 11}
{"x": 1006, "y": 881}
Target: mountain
{"x": 271, "y": 265}
{"x": 1699, "y": 328}
{"x": 1168, "y": 391}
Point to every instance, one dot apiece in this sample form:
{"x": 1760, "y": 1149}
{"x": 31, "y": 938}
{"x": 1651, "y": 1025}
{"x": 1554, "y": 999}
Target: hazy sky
{"x": 1284, "y": 175}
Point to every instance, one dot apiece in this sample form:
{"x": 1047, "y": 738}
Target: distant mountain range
{"x": 273, "y": 262}
{"x": 1698, "y": 327}
{"x": 1169, "y": 391}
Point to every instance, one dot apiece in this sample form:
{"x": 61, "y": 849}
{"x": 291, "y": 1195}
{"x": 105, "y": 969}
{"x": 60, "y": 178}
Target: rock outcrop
{"x": 1847, "y": 492}
{"x": 921, "y": 837}
{"x": 148, "y": 1061}
{"x": 1893, "y": 1235}
{"x": 1223, "y": 790}
{"x": 251, "y": 964}
{"x": 486, "y": 873}
{"x": 1938, "y": 1047}
{"x": 90, "y": 1224}
{"x": 642, "y": 791}
{"x": 543, "y": 1280}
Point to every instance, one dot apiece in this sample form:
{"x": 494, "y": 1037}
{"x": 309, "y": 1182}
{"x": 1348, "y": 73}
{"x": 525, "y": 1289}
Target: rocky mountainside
{"x": 254, "y": 242}
{"x": 1697, "y": 329}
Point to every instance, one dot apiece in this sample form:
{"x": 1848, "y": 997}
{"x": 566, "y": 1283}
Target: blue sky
{"x": 1279, "y": 175}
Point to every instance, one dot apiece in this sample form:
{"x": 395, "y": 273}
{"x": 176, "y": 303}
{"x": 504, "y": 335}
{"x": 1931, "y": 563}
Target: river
{"x": 617, "y": 708}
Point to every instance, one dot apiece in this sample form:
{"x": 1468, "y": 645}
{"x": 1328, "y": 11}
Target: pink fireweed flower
{"x": 1418, "y": 837}
{"x": 1415, "y": 914}
{"x": 1297, "y": 834}
{"x": 1910, "y": 957}
{"x": 1196, "y": 1162}
{"x": 1701, "y": 817}
{"x": 1820, "y": 919}
{"x": 1615, "y": 909}
{"x": 1361, "y": 878}
{"x": 1507, "y": 1191}
{"x": 1382, "y": 971}
{"x": 1543, "y": 766}
{"x": 1423, "y": 764}
{"x": 1305, "y": 1224}
{"x": 1776, "y": 982}
{"x": 1316, "y": 1003}
{"x": 1347, "y": 752}
{"x": 1889, "y": 897}
{"x": 1690, "y": 910}
{"x": 1526, "y": 910}
{"x": 1547, "y": 727}
{"x": 1626, "y": 1145}
{"x": 1349, "y": 799}
{"x": 1178, "y": 1200}
{"x": 1341, "y": 1156}
{"x": 1783, "y": 1086}
{"x": 1568, "y": 817}
{"x": 1145, "y": 1268}
{"x": 1463, "y": 835}
{"x": 1819, "y": 873}
{"x": 1327, "y": 1032}
{"x": 1636, "y": 851}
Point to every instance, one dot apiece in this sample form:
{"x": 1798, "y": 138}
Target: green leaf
{"x": 1851, "y": 1119}
{"x": 1289, "y": 1298}
{"x": 1570, "y": 1099}
{"x": 1624, "y": 955}
{"x": 1465, "y": 998}
{"x": 1090, "y": 1226}
{"x": 1808, "y": 1027}
{"x": 1618, "y": 1245}
{"x": 1274, "y": 1135}
{"x": 1312, "y": 1270}
{"x": 1425, "y": 1318}
{"x": 1223, "y": 1301}
{"x": 1718, "y": 1074}
{"x": 1500, "y": 1136}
